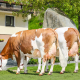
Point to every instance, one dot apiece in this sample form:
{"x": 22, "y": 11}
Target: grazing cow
{"x": 37, "y": 43}
{"x": 69, "y": 43}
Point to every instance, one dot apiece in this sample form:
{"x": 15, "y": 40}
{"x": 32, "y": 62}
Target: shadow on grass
{"x": 11, "y": 71}
{"x": 34, "y": 73}
{"x": 59, "y": 72}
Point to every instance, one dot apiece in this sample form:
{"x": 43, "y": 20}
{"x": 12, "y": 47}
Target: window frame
{"x": 10, "y": 20}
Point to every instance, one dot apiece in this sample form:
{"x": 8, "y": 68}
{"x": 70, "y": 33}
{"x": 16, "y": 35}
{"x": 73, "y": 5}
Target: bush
{"x": 35, "y": 23}
{"x": 33, "y": 61}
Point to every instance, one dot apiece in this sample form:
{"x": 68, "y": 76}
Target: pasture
{"x": 10, "y": 74}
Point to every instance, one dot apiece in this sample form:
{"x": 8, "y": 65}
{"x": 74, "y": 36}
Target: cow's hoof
{"x": 61, "y": 72}
{"x": 43, "y": 72}
{"x": 17, "y": 73}
{"x": 37, "y": 72}
{"x": 50, "y": 73}
{"x": 0, "y": 69}
{"x": 40, "y": 74}
{"x": 25, "y": 73}
{"x": 75, "y": 71}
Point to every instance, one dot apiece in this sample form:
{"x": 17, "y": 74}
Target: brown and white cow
{"x": 68, "y": 46}
{"x": 38, "y": 43}
{"x": 69, "y": 43}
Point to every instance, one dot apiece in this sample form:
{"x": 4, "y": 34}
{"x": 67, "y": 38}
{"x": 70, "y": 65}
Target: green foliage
{"x": 70, "y": 7}
{"x": 33, "y": 61}
{"x": 35, "y": 23}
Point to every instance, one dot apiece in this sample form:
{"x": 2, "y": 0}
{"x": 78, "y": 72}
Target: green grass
{"x": 32, "y": 75}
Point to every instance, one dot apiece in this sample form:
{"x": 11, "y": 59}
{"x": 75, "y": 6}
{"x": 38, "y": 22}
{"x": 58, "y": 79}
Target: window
{"x": 10, "y": 21}
{"x": 8, "y": 5}
{"x": 0, "y": 4}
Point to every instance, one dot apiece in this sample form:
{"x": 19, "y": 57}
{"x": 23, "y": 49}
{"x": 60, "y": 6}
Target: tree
{"x": 69, "y": 7}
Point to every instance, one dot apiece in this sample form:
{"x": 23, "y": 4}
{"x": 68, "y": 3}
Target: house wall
{"x": 7, "y": 31}
{"x": 19, "y": 25}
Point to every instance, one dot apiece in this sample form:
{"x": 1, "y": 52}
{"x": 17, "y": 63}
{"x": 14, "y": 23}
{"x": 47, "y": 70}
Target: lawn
{"x": 32, "y": 75}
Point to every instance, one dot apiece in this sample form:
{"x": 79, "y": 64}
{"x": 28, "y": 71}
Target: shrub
{"x": 33, "y": 61}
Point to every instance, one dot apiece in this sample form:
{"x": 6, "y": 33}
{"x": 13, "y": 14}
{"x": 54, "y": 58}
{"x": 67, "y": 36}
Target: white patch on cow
{"x": 4, "y": 62}
{"x": 18, "y": 70}
{"x": 36, "y": 30}
{"x": 52, "y": 49}
{"x": 14, "y": 35}
{"x": 43, "y": 28}
{"x": 62, "y": 41}
{"x": 40, "y": 44}
{"x": 63, "y": 49}
{"x": 63, "y": 61}
{"x": 39, "y": 64}
{"x": 22, "y": 60}
{"x": 76, "y": 62}
{"x": 21, "y": 33}
{"x": 34, "y": 44}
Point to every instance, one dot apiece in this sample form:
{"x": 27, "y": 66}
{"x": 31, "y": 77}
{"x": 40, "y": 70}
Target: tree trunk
{"x": 79, "y": 23}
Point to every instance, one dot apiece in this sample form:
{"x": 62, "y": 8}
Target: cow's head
{"x": 3, "y": 63}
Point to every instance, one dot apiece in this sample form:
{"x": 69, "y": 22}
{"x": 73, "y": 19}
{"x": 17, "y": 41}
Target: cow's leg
{"x": 46, "y": 67}
{"x": 52, "y": 64}
{"x": 74, "y": 52}
{"x": 63, "y": 60}
{"x": 25, "y": 64}
{"x": 21, "y": 63}
{"x": 39, "y": 65}
{"x": 22, "y": 59}
{"x": 17, "y": 55}
{"x": 43, "y": 67}
{"x": 76, "y": 62}
{"x": 26, "y": 60}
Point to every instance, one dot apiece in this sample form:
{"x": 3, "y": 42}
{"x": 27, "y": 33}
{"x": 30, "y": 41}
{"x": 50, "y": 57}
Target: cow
{"x": 69, "y": 44}
{"x": 36, "y": 43}
{"x": 68, "y": 47}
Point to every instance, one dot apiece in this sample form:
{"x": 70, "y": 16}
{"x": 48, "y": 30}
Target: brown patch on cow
{"x": 26, "y": 38}
{"x": 57, "y": 53}
{"x": 54, "y": 59}
{"x": 78, "y": 54}
{"x": 71, "y": 36}
{"x": 48, "y": 39}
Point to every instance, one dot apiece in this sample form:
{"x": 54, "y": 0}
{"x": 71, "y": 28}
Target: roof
{"x": 10, "y": 8}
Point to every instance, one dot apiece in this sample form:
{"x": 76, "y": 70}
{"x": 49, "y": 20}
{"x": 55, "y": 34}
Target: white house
{"x": 10, "y": 24}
